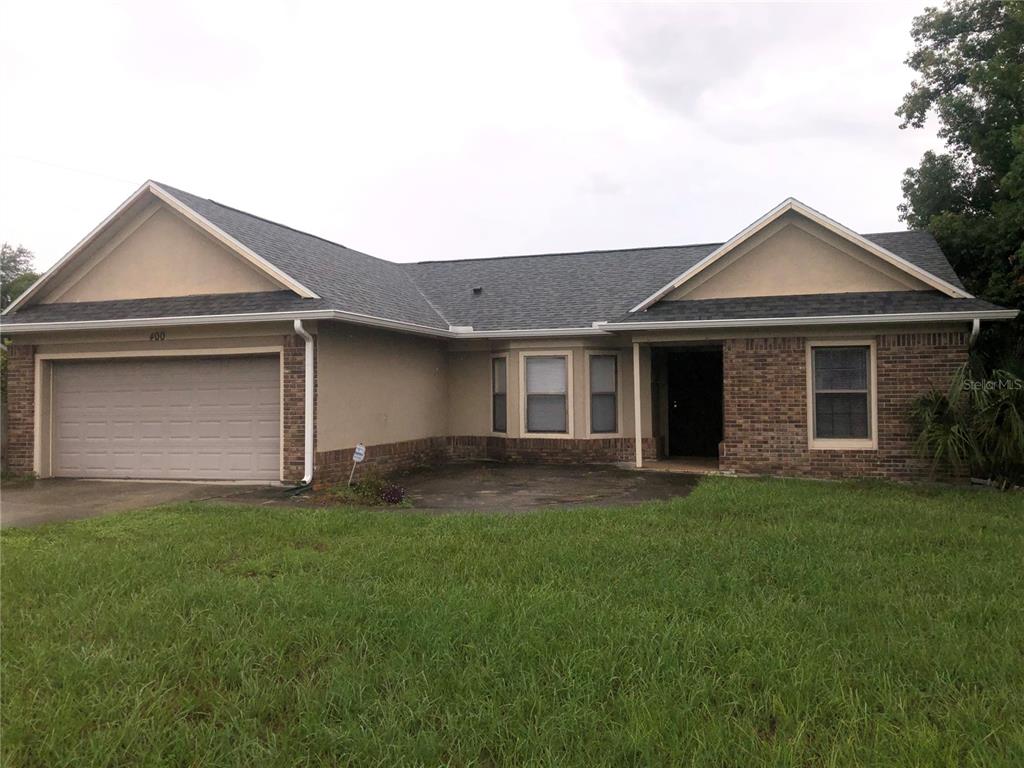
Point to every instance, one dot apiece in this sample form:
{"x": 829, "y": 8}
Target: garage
{"x": 194, "y": 418}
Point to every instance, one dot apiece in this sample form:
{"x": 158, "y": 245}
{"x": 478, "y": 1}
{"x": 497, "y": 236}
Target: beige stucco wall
{"x": 378, "y": 387}
{"x": 794, "y": 256}
{"x": 470, "y": 385}
{"x": 157, "y": 253}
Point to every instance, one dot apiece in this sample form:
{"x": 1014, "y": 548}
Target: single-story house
{"x": 185, "y": 339}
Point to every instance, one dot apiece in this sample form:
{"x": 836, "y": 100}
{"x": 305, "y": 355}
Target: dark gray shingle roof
{"x": 177, "y": 306}
{"x": 562, "y": 290}
{"x": 572, "y": 290}
{"x": 817, "y": 305}
{"x": 348, "y": 280}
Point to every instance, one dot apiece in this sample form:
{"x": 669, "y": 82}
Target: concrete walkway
{"x": 52, "y": 501}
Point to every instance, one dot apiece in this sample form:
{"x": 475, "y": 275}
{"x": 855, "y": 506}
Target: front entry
{"x": 695, "y": 419}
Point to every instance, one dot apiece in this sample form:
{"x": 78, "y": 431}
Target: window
{"x": 546, "y": 388}
{"x": 603, "y": 405}
{"x": 841, "y": 392}
{"x": 499, "y": 394}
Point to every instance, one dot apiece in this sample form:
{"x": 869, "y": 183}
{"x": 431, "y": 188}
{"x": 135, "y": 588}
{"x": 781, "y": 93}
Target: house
{"x": 185, "y": 339}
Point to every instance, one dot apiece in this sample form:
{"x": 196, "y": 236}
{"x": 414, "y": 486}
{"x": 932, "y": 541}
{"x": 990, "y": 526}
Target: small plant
{"x": 370, "y": 491}
{"x": 392, "y": 494}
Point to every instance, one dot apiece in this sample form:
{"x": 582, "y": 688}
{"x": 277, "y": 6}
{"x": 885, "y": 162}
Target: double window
{"x": 841, "y": 396}
{"x": 604, "y": 377}
{"x": 546, "y": 379}
{"x": 499, "y": 394}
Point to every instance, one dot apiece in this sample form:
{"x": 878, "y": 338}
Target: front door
{"x": 695, "y": 421}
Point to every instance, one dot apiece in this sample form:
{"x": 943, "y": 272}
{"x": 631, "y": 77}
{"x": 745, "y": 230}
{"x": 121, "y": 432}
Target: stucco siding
{"x": 378, "y": 387}
{"x": 157, "y": 254}
{"x": 795, "y": 257}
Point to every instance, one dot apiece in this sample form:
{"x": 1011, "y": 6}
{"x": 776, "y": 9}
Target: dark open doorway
{"x": 694, "y": 383}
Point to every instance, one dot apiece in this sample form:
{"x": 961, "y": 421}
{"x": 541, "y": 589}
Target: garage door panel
{"x": 194, "y": 418}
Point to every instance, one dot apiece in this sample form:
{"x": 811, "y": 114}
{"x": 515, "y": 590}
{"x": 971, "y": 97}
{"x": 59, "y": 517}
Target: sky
{"x": 437, "y": 131}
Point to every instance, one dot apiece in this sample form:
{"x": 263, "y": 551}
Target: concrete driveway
{"x": 52, "y": 501}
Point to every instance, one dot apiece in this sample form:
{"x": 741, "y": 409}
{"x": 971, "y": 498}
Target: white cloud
{"x": 439, "y": 131}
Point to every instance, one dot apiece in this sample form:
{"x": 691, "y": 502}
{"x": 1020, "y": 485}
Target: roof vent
{"x": 477, "y": 290}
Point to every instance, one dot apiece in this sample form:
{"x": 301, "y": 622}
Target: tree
{"x": 969, "y": 56}
{"x": 16, "y": 273}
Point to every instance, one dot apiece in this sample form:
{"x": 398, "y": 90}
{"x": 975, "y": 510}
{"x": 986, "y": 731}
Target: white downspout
{"x": 975, "y": 330}
{"x": 309, "y": 377}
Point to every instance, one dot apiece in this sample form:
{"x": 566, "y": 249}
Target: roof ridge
{"x": 566, "y": 253}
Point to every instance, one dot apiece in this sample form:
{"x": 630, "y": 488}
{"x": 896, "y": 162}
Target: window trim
{"x": 618, "y": 392}
{"x": 504, "y": 357}
{"x": 523, "y": 394}
{"x": 844, "y": 443}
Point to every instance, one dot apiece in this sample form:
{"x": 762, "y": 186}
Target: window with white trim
{"x": 603, "y": 393}
{"x": 841, "y": 377}
{"x": 547, "y": 383}
{"x": 499, "y": 394}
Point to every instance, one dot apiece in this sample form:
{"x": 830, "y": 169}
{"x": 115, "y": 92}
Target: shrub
{"x": 978, "y": 424}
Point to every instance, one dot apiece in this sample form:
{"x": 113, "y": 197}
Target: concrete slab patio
{"x": 494, "y": 487}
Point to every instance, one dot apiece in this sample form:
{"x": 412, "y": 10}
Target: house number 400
{"x": 157, "y": 336}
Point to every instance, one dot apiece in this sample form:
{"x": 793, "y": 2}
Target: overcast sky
{"x": 436, "y": 131}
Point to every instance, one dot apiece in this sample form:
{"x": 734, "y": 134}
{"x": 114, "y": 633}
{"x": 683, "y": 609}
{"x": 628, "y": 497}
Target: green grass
{"x": 753, "y": 623}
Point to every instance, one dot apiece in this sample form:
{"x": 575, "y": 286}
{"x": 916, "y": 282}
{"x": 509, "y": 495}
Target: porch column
{"x": 637, "y": 415}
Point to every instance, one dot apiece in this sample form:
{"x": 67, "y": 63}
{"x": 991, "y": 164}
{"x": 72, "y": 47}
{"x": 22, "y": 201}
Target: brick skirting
{"x": 20, "y": 417}
{"x": 334, "y": 466}
{"x": 766, "y": 406}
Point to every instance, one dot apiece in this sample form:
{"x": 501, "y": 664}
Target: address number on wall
{"x": 157, "y": 336}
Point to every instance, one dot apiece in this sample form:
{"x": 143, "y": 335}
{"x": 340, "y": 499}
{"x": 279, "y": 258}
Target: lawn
{"x": 751, "y": 623}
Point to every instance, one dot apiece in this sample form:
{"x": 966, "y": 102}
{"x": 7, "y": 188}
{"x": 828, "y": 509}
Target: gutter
{"x": 760, "y": 322}
{"x": 309, "y": 377}
{"x": 599, "y": 328}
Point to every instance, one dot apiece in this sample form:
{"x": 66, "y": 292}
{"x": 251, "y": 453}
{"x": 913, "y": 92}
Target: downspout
{"x": 309, "y": 377}
{"x": 975, "y": 330}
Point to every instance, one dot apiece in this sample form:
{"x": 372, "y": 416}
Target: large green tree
{"x": 969, "y": 56}
{"x": 16, "y": 272}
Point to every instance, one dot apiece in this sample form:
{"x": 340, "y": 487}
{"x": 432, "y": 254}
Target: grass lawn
{"x": 752, "y": 623}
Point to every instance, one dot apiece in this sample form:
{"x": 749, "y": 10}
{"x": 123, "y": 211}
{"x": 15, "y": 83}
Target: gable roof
{"x": 153, "y": 189}
{"x": 535, "y": 294}
{"x": 794, "y": 205}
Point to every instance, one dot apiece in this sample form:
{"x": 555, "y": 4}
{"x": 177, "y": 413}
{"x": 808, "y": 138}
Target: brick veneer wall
{"x": 334, "y": 466}
{"x": 766, "y": 406}
{"x": 20, "y": 422}
{"x": 293, "y": 426}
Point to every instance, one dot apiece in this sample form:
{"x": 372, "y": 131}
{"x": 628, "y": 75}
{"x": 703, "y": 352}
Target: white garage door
{"x": 215, "y": 418}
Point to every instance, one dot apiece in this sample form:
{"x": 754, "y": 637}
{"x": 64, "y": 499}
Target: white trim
{"x": 792, "y": 204}
{"x": 504, "y": 356}
{"x": 638, "y": 424}
{"x": 48, "y": 357}
{"x": 569, "y": 411}
{"x": 910, "y": 317}
{"x": 589, "y": 353}
{"x": 154, "y": 189}
{"x": 601, "y": 328}
{"x": 869, "y": 443}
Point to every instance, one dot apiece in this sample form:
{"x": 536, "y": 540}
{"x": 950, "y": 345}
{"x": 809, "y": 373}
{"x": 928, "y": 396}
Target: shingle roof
{"x": 348, "y": 280}
{"x": 816, "y": 305}
{"x": 572, "y": 290}
{"x": 177, "y": 306}
{"x": 561, "y": 290}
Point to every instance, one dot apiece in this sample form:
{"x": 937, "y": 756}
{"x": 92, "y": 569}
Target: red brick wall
{"x": 21, "y": 393}
{"x": 766, "y": 406}
{"x": 293, "y": 426}
{"x": 334, "y": 466}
